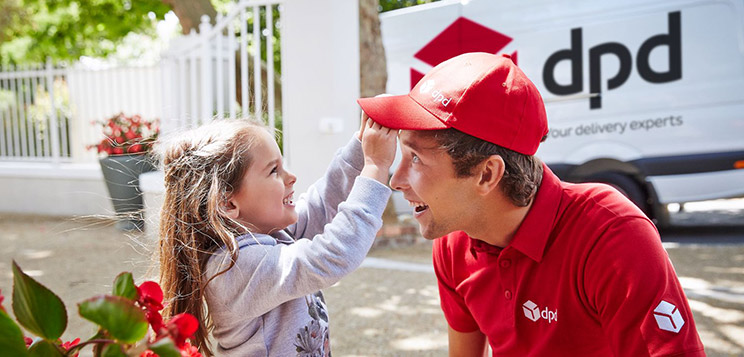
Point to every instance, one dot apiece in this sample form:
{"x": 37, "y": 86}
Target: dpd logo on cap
{"x": 426, "y": 86}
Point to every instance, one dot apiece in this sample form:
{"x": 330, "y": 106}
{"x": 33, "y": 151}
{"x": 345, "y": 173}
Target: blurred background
{"x": 643, "y": 96}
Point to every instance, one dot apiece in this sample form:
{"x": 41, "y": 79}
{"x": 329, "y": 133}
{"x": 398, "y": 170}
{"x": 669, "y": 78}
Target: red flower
{"x": 70, "y": 344}
{"x": 150, "y": 296}
{"x": 28, "y": 341}
{"x": 1, "y": 301}
{"x": 182, "y": 327}
{"x": 148, "y": 353}
{"x": 190, "y": 351}
{"x": 155, "y": 320}
{"x": 127, "y": 135}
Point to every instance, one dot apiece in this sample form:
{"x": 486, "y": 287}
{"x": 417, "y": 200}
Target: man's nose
{"x": 399, "y": 180}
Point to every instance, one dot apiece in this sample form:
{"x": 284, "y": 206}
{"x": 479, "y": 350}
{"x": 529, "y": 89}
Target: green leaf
{"x": 11, "y": 337}
{"x": 119, "y": 316}
{"x": 165, "y": 348}
{"x": 44, "y": 348}
{"x": 113, "y": 350}
{"x": 124, "y": 286}
{"x": 37, "y": 308}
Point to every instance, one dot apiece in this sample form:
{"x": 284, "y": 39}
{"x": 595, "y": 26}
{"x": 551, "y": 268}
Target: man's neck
{"x": 498, "y": 226}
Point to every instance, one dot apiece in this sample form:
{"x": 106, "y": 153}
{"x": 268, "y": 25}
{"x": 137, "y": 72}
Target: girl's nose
{"x": 290, "y": 179}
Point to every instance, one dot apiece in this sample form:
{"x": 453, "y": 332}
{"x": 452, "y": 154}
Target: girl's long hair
{"x": 202, "y": 168}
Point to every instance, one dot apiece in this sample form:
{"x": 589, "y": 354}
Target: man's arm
{"x": 467, "y": 344}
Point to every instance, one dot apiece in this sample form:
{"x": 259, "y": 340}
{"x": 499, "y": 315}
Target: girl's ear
{"x": 231, "y": 208}
{"x": 490, "y": 172}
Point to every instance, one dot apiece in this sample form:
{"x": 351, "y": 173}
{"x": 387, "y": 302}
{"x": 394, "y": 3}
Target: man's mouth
{"x": 288, "y": 200}
{"x": 418, "y": 207}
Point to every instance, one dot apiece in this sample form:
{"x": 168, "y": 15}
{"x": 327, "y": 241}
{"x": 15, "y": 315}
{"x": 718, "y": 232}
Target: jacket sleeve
{"x": 267, "y": 276}
{"x": 316, "y": 207}
{"x": 632, "y": 287}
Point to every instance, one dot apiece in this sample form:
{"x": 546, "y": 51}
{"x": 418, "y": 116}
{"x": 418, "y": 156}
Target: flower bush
{"x": 126, "y": 135}
{"x": 129, "y": 322}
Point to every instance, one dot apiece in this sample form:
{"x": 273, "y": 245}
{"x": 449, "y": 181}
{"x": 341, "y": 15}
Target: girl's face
{"x": 264, "y": 200}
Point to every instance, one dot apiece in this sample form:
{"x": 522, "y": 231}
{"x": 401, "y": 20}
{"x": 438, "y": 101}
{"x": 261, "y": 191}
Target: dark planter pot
{"x": 121, "y": 173}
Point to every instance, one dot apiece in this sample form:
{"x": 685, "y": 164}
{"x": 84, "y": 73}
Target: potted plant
{"x": 129, "y": 322}
{"x": 127, "y": 141}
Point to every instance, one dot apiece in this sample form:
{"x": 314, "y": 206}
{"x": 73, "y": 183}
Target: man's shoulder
{"x": 597, "y": 202}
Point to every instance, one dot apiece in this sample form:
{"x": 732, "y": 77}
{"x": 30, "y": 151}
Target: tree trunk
{"x": 371, "y": 53}
{"x": 189, "y": 13}
{"x": 372, "y": 67}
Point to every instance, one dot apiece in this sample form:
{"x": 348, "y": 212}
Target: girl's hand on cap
{"x": 378, "y": 145}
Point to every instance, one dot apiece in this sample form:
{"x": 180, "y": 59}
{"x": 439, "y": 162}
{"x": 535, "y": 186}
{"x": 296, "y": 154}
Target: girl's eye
{"x": 275, "y": 170}
{"x": 415, "y": 159}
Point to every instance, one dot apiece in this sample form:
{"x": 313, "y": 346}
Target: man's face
{"x": 426, "y": 176}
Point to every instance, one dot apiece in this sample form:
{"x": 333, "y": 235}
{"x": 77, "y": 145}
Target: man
{"x": 528, "y": 264}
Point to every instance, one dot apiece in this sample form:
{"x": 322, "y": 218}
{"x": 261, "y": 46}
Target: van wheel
{"x": 627, "y": 186}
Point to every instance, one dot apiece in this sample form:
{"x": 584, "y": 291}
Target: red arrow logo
{"x": 460, "y": 37}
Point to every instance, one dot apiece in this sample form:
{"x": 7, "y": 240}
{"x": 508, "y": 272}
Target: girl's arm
{"x": 266, "y": 276}
{"x": 319, "y": 204}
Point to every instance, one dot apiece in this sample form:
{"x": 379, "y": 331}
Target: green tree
{"x": 387, "y": 5}
{"x": 65, "y": 30}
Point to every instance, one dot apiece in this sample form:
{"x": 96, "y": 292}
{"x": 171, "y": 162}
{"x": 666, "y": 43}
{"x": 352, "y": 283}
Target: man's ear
{"x": 489, "y": 173}
{"x": 230, "y": 207}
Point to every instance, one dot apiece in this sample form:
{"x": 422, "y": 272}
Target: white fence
{"x": 227, "y": 70}
{"x": 33, "y": 124}
{"x": 47, "y": 112}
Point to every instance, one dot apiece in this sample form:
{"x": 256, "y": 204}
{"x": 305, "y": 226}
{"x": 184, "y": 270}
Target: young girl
{"x": 236, "y": 250}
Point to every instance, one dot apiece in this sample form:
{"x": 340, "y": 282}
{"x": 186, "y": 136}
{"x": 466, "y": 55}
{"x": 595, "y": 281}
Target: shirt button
{"x": 505, "y": 263}
{"x": 507, "y": 294}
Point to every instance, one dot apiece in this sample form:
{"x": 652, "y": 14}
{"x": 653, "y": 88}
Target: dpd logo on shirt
{"x": 668, "y": 317}
{"x": 533, "y": 312}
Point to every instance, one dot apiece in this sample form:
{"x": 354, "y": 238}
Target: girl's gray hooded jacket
{"x": 269, "y": 303}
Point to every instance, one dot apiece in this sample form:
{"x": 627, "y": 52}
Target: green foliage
{"x": 11, "y": 337}
{"x": 124, "y": 286}
{"x": 387, "y": 5}
{"x": 37, "y": 308}
{"x": 44, "y": 348}
{"x": 66, "y": 30}
{"x": 165, "y": 348}
{"x": 113, "y": 350}
{"x": 123, "y": 320}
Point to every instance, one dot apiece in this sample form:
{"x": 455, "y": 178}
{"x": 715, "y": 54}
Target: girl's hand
{"x": 362, "y": 125}
{"x": 378, "y": 145}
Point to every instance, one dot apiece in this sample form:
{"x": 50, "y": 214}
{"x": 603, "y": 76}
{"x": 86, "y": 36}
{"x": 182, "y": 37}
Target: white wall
{"x": 72, "y": 190}
{"x": 320, "y": 69}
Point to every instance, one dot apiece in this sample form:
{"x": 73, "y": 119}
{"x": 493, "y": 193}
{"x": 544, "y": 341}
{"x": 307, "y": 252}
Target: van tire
{"x": 627, "y": 185}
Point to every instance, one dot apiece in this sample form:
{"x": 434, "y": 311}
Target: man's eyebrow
{"x": 415, "y": 146}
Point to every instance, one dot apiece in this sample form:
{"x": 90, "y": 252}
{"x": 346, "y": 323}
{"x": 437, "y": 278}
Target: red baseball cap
{"x": 480, "y": 94}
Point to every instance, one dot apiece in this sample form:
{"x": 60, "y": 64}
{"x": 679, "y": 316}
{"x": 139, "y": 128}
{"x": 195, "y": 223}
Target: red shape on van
{"x": 460, "y": 37}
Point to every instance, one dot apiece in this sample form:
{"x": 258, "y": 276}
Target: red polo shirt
{"x": 585, "y": 275}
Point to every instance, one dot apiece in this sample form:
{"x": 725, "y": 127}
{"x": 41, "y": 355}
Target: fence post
{"x": 53, "y": 125}
{"x": 206, "y": 69}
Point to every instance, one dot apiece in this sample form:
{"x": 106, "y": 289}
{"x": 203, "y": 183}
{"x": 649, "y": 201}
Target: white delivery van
{"x": 647, "y": 96}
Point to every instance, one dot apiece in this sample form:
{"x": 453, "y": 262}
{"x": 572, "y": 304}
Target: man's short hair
{"x": 522, "y": 173}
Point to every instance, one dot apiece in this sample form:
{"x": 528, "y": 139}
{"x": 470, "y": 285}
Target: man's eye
{"x": 415, "y": 159}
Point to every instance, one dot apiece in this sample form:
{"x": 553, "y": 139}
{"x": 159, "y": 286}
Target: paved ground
{"x": 389, "y": 307}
